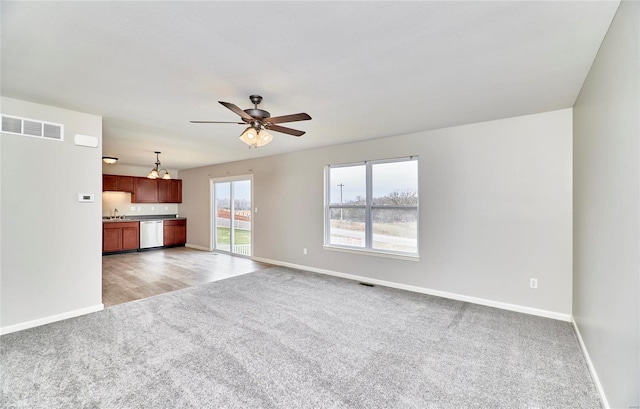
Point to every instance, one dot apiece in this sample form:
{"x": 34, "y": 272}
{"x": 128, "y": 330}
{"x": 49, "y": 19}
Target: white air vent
{"x": 52, "y": 131}
{"x": 32, "y": 127}
{"x": 13, "y": 125}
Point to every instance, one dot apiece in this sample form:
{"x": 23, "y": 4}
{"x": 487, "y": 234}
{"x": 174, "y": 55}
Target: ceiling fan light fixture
{"x": 255, "y": 138}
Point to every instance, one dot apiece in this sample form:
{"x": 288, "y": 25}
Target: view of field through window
{"x": 385, "y": 208}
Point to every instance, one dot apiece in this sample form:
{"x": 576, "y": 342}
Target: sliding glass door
{"x": 231, "y": 215}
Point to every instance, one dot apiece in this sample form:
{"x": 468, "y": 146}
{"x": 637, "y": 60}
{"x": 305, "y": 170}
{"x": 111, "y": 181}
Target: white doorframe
{"x": 212, "y": 211}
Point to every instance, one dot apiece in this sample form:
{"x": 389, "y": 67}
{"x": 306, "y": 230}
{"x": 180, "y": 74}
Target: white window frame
{"x": 368, "y": 207}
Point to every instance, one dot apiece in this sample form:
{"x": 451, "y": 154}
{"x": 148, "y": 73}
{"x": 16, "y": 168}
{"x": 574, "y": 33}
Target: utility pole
{"x": 341, "y": 186}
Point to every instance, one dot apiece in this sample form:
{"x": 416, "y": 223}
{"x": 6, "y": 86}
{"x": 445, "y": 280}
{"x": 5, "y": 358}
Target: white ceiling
{"x": 360, "y": 69}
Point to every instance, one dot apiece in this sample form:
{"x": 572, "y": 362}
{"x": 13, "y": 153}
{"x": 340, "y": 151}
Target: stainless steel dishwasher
{"x": 151, "y": 234}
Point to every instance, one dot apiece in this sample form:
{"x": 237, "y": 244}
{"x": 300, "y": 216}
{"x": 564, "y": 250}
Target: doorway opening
{"x": 232, "y": 215}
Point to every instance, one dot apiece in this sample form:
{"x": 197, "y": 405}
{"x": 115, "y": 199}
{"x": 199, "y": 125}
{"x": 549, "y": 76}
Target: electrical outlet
{"x": 304, "y": 251}
{"x": 153, "y": 208}
{"x": 133, "y": 208}
{"x": 166, "y": 208}
{"x": 533, "y": 283}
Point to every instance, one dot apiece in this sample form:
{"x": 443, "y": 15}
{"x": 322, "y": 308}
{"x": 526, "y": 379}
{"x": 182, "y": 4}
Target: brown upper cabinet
{"x": 109, "y": 183}
{"x": 144, "y": 190}
{"x": 169, "y": 191}
{"x": 117, "y": 183}
{"x": 125, "y": 183}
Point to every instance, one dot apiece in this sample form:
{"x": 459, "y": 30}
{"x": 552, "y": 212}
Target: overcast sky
{"x": 387, "y": 177}
{"x": 241, "y": 190}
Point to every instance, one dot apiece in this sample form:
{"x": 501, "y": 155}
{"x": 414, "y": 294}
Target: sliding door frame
{"x": 213, "y": 212}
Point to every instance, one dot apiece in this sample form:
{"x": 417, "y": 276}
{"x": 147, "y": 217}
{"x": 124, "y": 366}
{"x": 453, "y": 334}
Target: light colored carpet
{"x": 282, "y": 338}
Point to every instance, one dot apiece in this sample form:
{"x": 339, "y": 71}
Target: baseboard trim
{"x": 459, "y": 297}
{"x": 592, "y": 368}
{"x": 50, "y": 319}
{"x": 194, "y": 246}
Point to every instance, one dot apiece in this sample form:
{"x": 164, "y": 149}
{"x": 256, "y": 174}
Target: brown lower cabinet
{"x": 175, "y": 232}
{"x": 119, "y": 236}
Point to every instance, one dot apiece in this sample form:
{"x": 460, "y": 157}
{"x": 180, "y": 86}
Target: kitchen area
{"x": 144, "y": 237}
{"x": 140, "y": 213}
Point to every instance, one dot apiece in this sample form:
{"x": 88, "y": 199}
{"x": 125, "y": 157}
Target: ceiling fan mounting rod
{"x": 255, "y": 112}
{"x": 255, "y": 100}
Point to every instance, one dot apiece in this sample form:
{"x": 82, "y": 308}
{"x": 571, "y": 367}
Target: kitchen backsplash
{"x": 122, "y": 202}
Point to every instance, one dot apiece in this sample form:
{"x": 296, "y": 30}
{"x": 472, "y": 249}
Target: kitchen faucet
{"x": 115, "y": 213}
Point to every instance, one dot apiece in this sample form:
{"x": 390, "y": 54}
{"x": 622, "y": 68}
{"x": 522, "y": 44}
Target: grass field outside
{"x": 408, "y": 230}
{"x": 224, "y": 236}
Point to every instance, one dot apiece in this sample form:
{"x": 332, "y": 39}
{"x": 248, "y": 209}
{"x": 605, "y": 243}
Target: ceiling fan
{"x": 260, "y": 121}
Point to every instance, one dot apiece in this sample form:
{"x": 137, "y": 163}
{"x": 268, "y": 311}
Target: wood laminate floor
{"x": 133, "y": 276}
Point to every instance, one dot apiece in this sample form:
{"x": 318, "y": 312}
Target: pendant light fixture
{"x": 155, "y": 172}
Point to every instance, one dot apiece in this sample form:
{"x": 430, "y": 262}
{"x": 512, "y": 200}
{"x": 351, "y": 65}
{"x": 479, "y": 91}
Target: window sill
{"x": 374, "y": 253}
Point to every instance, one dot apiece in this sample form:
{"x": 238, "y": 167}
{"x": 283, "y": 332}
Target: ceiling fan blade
{"x": 237, "y": 110}
{"x": 278, "y": 128}
{"x": 289, "y": 118}
{"x": 216, "y": 122}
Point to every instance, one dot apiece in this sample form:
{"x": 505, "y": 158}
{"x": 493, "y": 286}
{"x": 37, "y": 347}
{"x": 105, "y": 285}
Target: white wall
{"x": 495, "y": 209}
{"x": 51, "y": 244}
{"x": 607, "y": 210}
{"x": 122, "y": 200}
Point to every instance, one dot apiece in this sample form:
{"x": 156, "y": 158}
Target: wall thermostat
{"x": 86, "y": 197}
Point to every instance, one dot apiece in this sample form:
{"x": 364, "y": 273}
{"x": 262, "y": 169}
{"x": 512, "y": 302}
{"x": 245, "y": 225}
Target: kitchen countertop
{"x": 143, "y": 218}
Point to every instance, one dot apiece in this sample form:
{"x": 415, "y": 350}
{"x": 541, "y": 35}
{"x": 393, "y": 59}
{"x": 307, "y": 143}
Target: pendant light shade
{"x": 249, "y": 136}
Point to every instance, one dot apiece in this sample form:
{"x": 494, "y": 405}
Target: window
{"x": 373, "y": 206}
